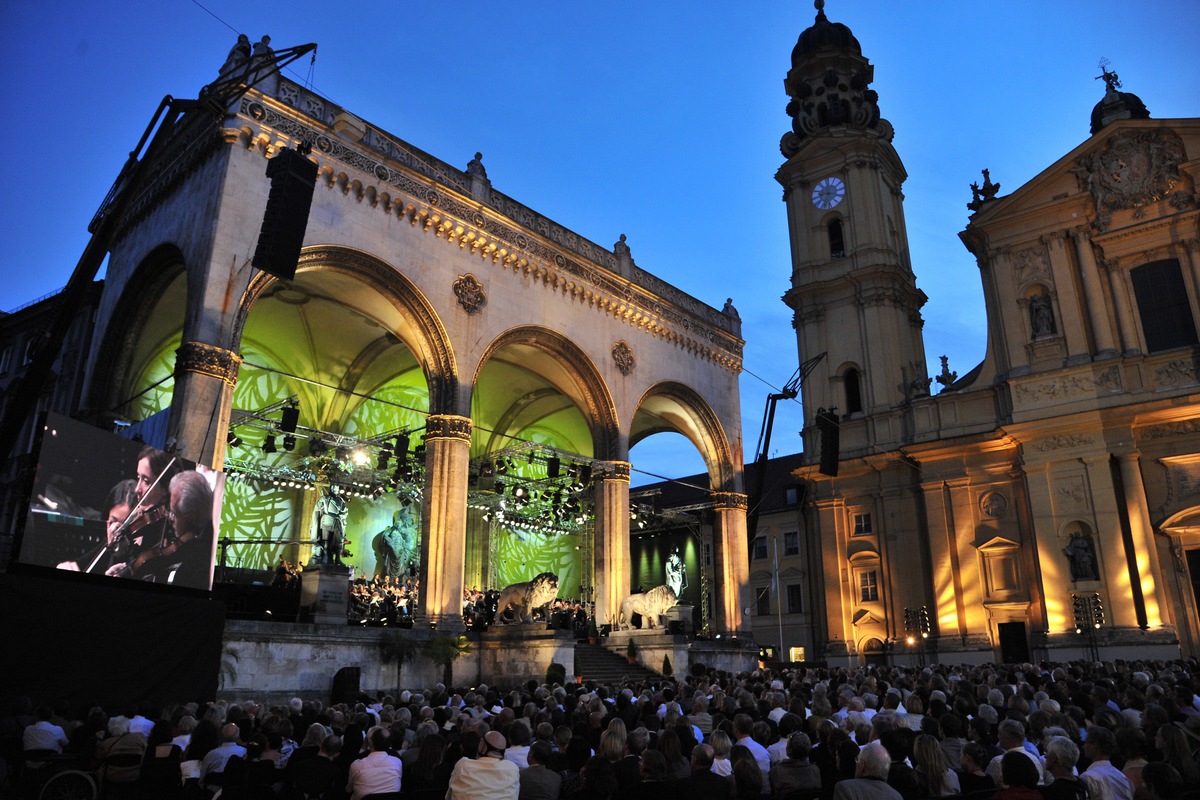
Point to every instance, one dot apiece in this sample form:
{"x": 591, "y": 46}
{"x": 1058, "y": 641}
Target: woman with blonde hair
{"x": 721, "y": 746}
{"x": 930, "y": 762}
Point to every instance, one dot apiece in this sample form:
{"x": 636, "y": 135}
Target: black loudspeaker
{"x": 293, "y": 179}
{"x": 827, "y": 424}
{"x": 291, "y": 417}
{"x": 345, "y": 686}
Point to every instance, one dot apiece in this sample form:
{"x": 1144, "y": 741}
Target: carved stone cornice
{"x": 1170, "y": 429}
{"x": 448, "y": 426}
{"x": 435, "y": 197}
{"x": 1064, "y": 442}
{"x": 206, "y": 359}
{"x": 729, "y": 501}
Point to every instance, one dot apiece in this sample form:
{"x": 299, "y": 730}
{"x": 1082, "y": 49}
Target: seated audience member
{"x": 971, "y": 777}
{"x": 212, "y": 766}
{"x": 1019, "y": 777}
{"x": 1162, "y": 782}
{"x": 795, "y": 773}
{"x": 1103, "y": 779}
{"x": 1061, "y": 757}
{"x": 703, "y": 783}
{"x": 537, "y": 782}
{"x": 870, "y": 778}
{"x": 120, "y": 755}
{"x": 488, "y": 776}
{"x": 379, "y": 772}
{"x": 43, "y": 735}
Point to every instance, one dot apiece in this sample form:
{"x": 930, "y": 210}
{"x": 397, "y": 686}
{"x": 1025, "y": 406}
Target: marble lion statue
{"x": 649, "y": 604}
{"x": 526, "y": 597}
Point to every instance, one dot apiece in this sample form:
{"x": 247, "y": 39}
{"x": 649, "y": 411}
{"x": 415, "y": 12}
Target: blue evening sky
{"x": 660, "y": 120}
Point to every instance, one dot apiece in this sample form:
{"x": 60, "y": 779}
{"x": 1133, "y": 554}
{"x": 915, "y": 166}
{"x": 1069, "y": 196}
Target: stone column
{"x": 444, "y": 520}
{"x": 1110, "y": 546}
{"x": 610, "y": 481}
{"x": 1093, "y": 290}
{"x": 1122, "y": 295}
{"x": 200, "y": 404}
{"x": 1147, "y": 571}
{"x": 733, "y": 562}
{"x": 1070, "y": 325}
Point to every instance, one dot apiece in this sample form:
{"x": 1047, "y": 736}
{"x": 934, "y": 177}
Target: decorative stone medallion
{"x": 622, "y": 355}
{"x": 470, "y": 294}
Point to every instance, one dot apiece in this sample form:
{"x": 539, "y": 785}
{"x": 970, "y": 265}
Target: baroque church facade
{"x": 1045, "y": 504}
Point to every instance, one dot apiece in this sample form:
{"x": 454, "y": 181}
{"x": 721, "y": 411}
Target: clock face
{"x": 828, "y": 193}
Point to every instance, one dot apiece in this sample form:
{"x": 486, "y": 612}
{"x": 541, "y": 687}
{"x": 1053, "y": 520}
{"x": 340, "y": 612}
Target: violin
{"x": 125, "y": 546}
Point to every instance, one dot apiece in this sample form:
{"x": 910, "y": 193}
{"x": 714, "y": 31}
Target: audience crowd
{"x": 1080, "y": 731}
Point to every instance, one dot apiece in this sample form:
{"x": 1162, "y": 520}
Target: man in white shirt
{"x": 1105, "y": 781}
{"x": 489, "y": 777}
{"x": 1010, "y": 736}
{"x": 742, "y": 726}
{"x": 379, "y": 772}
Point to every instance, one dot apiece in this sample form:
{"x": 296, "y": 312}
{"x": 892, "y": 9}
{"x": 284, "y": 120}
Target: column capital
{"x": 447, "y": 426}
{"x": 207, "y": 359}
{"x": 610, "y": 471}
{"x": 729, "y": 500}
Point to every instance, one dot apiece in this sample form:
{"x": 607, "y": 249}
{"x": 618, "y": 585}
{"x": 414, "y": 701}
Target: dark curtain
{"x": 106, "y": 643}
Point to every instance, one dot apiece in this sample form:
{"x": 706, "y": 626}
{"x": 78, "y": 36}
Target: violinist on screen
{"x": 121, "y": 500}
{"x": 148, "y": 529}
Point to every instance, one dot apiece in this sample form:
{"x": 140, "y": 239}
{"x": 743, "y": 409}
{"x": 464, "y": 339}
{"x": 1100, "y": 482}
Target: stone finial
{"x": 946, "y": 377}
{"x": 983, "y": 194}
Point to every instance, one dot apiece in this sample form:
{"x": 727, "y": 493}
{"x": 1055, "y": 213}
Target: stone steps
{"x": 604, "y": 666}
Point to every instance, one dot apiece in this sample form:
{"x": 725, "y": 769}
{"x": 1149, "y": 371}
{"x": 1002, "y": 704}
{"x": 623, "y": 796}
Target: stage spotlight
{"x": 291, "y": 416}
{"x": 552, "y": 467}
{"x": 234, "y": 440}
{"x": 501, "y": 466}
{"x": 486, "y": 470}
{"x": 361, "y": 457}
{"x": 289, "y": 443}
{"x": 269, "y": 444}
{"x": 401, "y": 446}
{"x": 383, "y": 460}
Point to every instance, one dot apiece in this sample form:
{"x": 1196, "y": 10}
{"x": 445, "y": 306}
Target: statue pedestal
{"x": 325, "y": 589}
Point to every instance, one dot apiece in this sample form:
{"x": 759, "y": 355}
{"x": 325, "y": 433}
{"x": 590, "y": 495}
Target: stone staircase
{"x": 604, "y": 666}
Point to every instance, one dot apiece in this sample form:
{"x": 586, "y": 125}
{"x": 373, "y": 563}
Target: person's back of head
{"x": 653, "y": 766}
{"x": 379, "y": 738}
{"x": 331, "y": 746}
{"x": 637, "y": 741}
{"x": 229, "y": 733}
{"x": 1162, "y": 782}
{"x": 702, "y": 758}
{"x": 743, "y": 725}
{"x": 539, "y": 753}
{"x": 874, "y": 762}
{"x": 1062, "y": 752}
{"x": 1011, "y": 733}
{"x": 1102, "y": 739}
{"x": 1018, "y": 769}
{"x": 799, "y": 746}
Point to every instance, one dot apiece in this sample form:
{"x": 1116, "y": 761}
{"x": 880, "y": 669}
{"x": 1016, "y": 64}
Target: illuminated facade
{"x": 1054, "y": 487}
{"x": 510, "y": 356}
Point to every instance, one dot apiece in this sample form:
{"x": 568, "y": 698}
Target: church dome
{"x": 824, "y": 35}
{"x": 1116, "y": 105}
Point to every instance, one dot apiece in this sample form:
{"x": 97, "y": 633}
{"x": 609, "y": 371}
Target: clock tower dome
{"x": 852, "y": 291}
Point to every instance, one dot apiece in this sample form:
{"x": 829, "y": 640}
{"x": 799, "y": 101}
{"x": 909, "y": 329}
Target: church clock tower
{"x": 852, "y": 291}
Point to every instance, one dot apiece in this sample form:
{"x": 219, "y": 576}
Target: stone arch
{"x": 588, "y": 389}
{"x": 681, "y": 409}
{"x": 116, "y": 357}
{"x": 431, "y": 342}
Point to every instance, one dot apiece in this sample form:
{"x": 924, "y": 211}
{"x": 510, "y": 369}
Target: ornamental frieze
{"x": 1069, "y": 386}
{"x": 1133, "y": 170}
{"x": 1175, "y": 373}
{"x": 730, "y": 500}
{"x": 1169, "y": 429}
{"x": 1064, "y": 442}
{"x": 206, "y": 359}
{"x": 447, "y": 426}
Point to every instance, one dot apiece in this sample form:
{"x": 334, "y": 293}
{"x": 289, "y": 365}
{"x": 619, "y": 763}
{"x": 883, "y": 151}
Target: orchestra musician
{"x": 149, "y": 526}
{"x": 121, "y": 500}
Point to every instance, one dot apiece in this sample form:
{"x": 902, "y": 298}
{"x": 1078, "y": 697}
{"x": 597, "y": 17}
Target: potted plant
{"x": 444, "y": 650}
{"x": 666, "y": 670}
{"x": 578, "y": 668}
{"x": 593, "y": 634}
{"x": 631, "y": 651}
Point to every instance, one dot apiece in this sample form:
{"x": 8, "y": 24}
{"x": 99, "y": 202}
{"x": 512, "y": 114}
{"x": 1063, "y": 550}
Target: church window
{"x": 30, "y": 346}
{"x": 763, "y": 601}
{"x": 5, "y": 359}
{"x": 868, "y": 586}
{"x": 759, "y": 551}
{"x": 850, "y": 381}
{"x": 862, "y": 524}
{"x": 795, "y": 598}
{"x": 791, "y": 543}
{"x": 1162, "y": 302}
{"x": 837, "y": 245}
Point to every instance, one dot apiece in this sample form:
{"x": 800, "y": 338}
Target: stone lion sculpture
{"x": 526, "y": 597}
{"x": 649, "y": 604}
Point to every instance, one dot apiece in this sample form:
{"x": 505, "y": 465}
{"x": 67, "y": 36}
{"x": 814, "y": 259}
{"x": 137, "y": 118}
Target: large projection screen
{"x": 106, "y": 506}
